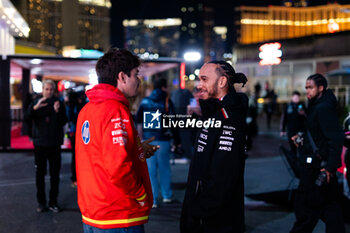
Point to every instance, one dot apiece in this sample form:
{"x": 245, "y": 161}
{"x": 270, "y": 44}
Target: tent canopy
{"x": 77, "y": 69}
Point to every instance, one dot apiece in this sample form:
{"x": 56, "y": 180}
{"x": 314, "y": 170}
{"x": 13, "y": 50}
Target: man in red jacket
{"x": 114, "y": 190}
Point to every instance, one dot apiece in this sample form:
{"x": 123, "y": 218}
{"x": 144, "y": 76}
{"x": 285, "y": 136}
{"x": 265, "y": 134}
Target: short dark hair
{"x": 159, "y": 83}
{"x": 296, "y": 93}
{"x": 113, "y": 62}
{"x": 225, "y": 69}
{"x": 319, "y": 80}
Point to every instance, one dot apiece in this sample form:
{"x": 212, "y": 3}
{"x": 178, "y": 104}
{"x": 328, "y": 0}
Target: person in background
{"x": 181, "y": 99}
{"x": 114, "y": 190}
{"x": 320, "y": 157}
{"x": 346, "y": 128}
{"x": 193, "y": 107}
{"x": 194, "y": 110}
{"x": 214, "y": 198}
{"x": 293, "y": 119}
{"x": 48, "y": 115}
{"x": 270, "y": 104}
{"x": 159, "y": 101}
{"x": 252, "y": 123}
{"x": 76, "y": 101}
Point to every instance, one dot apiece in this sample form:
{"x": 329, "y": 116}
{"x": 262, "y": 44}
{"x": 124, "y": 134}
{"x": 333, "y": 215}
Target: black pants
{"x": 42, "y": 155}
{"x": 307, "y": 217}
{"x": 73, "y": 170}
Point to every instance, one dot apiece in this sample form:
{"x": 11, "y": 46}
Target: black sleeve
{"x": 333, "y": 133}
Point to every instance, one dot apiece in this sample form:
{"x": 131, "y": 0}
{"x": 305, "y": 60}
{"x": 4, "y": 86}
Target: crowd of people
{"x": 118, "y": 164}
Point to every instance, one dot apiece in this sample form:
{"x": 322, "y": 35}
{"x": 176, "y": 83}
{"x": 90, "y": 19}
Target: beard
{"x": 317, "y": 96}
{"x": 214, "y": 91}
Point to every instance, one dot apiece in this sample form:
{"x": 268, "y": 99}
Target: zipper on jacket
{"x": 198, "y": 187}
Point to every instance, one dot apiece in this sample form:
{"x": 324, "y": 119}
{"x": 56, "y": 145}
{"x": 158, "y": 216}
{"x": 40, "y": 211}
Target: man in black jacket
{"x": 317, "y": 192}
{"x": 293, "y": 118}
{"x": 214, "y": 199}
{"x": 49, "y": 116}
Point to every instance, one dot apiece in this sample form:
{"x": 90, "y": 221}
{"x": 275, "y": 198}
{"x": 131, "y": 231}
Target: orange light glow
{"x": 333, "y": 27}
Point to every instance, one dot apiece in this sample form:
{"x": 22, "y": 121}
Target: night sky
{"x": 171, "y": 8}
{"x": 141, "y": 9}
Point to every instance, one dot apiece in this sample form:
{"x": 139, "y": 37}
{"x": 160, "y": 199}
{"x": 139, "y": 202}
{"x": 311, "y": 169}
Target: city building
{"x": 12, "y": 25}
{"x": 58, "y": 23}
{"x": 259, "y": 24}
{"x": 284, "y": 45}
{"x": 295, "y": 3}
{"x": 198, "y": 30}
{"x": 153, "y": 37}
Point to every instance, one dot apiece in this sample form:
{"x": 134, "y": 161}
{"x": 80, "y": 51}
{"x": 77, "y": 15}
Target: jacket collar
{"x": 230, "y": 102}
{"x": 102, "y": 92}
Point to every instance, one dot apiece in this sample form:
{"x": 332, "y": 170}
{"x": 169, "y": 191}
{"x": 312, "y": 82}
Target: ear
{"x": 320, "y": 88}
{"x": 223, "y": 82}
{"x": 121, "y": 77}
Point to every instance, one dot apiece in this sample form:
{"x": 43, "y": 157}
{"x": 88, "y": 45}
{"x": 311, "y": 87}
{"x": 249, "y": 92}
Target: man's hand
{"x": 293, "y": 139}
{"x": 149, "y": 149}
{"x": 56, "y": 106}
{"x": 329, "y": 175}
{"x": 40, "y": 104}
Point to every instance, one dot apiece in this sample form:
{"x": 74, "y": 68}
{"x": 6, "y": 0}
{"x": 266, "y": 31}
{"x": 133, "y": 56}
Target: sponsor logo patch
{"x": 85, "y": 132}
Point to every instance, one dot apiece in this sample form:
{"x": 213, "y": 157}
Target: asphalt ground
{"x": 267, "y": 184}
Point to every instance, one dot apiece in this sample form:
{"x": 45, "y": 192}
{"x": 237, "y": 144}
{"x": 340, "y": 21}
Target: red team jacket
{"x": 112, "y": 173}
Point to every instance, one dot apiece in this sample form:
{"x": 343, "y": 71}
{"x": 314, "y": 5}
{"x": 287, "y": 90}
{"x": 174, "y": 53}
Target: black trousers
{"x": 72, "y": 166}
{"x": 307, "y": 217}
{"x": 42, "y": 156}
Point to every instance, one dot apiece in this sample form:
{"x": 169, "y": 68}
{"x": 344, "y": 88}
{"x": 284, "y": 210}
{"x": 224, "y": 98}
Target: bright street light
{"x": 192, "y": 56}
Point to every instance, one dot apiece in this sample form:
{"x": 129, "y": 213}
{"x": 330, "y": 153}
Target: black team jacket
{"x": 327, "y": 134}
{"x": 325, "y": 129}
{"x": 214, "y": 197}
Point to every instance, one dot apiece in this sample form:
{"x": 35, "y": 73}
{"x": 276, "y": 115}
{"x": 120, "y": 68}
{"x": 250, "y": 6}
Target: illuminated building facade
{"x": 59, "y": 23}
{"x": 285, "y": 45}
{"x": 155, "y": 37}
{"x": 192, "y": 28}
{"x": 259, "y": 24}
{"x": 11, "y": 25}
{"x": 295, "y": 3}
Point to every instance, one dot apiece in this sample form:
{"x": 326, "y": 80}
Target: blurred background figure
{"x": 48, "y": 115}
{"x": 181, "y": 99}
{"x": 193, "y": 107}
{"x": 292, "y": 120}
{"x": 195, "y": 111}
{"x": 346, "y": 126}
{"x": 270, "y": 103}
{"x": 76, "y": 101}
{"x": 159, "y": 163}
{"x": 252, "y": 125}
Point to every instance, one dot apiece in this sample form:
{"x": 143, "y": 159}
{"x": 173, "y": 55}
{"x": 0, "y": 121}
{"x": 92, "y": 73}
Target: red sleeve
{"x": 119, "y": 141}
